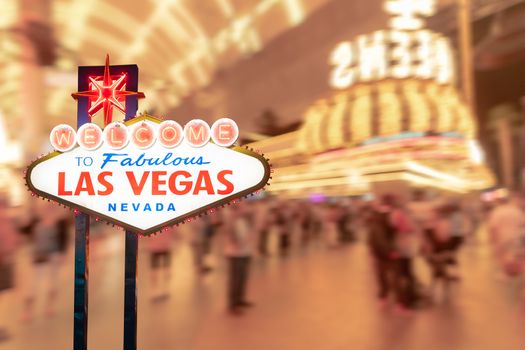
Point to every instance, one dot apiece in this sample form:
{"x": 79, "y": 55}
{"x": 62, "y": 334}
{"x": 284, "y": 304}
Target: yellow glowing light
{"x": 361, "y": 120}
{"x": 466, "y": 124}
{"x": 201, "y": 74}
{"x": 424, "y": 54}
{"x": 226, "y": 7}
{"x": 177, "y": 74}
{"x": 449, "y": 178}
{"x": 401, "y": 54}
{"x": 264, "y": 6}
{"x": 324, "y": 180}
{"x": 444, "y": 104}
{"x": 501, "y": 193}
{"x": 295, "y": 11}
{"x": 433, "y": 183}
{"x": 196, "y": 29}
{"x": 311, "y": 139}
{"x": 10, "y": 47}
{"x": 341, "y": 58}
{"x": 9, "y": 13}
{"x": 390, "y": 109}
{"x": 372, "y": 56}
{"x": 244, "y": 35}
{"x": 352, "y": 170}
{"x": 9, "y": 86}
{"x": 444, "y": 61}
{"x": 277, "y": 143}
{"x": 396, "y": 54}
{"x": 418, "y": 106}
{"x": 476, "y": 153}
{"x": 391, "y": 105}
{"x": 335, "y": 124}
{"x": 407, "y": 13}
{"x": 317, "y": 124}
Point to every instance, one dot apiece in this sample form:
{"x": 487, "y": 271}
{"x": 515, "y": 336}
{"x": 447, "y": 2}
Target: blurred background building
{"x": 264, "y": 63}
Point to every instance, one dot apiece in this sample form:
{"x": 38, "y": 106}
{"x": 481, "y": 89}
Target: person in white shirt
{"x": 506, "y": 227}
{"x": 239, "y": 248}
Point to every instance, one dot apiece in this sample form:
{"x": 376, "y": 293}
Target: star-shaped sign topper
{"x": 106, "y": 93}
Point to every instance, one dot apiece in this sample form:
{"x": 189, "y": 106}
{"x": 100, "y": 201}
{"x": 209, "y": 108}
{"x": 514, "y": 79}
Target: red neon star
{"x": 106, "y": 93}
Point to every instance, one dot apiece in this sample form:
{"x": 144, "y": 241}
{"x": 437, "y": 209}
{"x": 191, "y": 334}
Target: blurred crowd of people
{"x": 396, "y": 230}
{"x": 250, "y": 228}
{"x": 435, "y": 230}
{"x": 400, "y": 231}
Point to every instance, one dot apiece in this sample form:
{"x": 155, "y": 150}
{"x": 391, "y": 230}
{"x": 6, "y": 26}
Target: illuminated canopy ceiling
{"x": 178, "y": 44}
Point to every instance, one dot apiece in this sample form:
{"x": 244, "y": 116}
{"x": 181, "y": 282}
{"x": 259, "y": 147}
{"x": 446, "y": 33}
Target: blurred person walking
{"x": 407, "y": 247}
{"x": 332, "y": 215}
{"x": 442, "y": 245}
{"x": 345, "y": 229}
{"x": 423, "y": 212}
{"x": 159, "y": 247}
{"x": 317, "y": 217}
{"x": 306, "y": 222}
{"x": 46, "y": 259}
{"x": 460, "y": 227}
{"x": 238, "y": 249}
{"x": 201, "y": 243}
{"x": 262, "y": 222}
{"x": 63, "y": 223}
{"x": 8, "y": 242}
{"x": 280, "y": 215}
{"x": 472, "y": 209}
{"x": 388, "y": 231}
{"x": 506, "y": 226}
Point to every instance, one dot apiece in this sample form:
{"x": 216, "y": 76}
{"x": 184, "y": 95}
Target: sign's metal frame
{"x": 82, "y": 225}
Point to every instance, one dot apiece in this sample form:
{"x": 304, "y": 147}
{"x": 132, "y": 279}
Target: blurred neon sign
{"x": 224, "y": 132}
{"x": 404, "y": 51}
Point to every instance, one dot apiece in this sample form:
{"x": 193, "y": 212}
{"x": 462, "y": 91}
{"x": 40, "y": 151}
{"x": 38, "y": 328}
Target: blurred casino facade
{"x": 278, "y": 68}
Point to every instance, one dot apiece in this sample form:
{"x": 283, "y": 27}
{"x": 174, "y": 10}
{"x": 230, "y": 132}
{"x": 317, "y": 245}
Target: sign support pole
{"x": 132, "y": 246}
{"x": 82, "y": 227}
{"x": 81, "y": 281}
{"x": 130, "y": 291}
{"x": 81, "y": 248}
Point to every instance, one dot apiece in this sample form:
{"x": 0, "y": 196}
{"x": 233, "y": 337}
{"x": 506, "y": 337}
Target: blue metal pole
{"x": 132, "y": 243}
{"x": 82, "y": 229}
{"x": 80, "y": 330}
{"x": 130, "y": 291}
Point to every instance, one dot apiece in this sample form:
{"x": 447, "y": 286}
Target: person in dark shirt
{"x": 393, "y": 275}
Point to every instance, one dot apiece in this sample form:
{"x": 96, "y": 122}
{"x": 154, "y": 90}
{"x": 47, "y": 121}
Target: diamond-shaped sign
{"x": 145, "y": 190}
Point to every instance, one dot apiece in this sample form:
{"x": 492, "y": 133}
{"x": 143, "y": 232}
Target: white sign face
{"x": 147, "y": 189}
